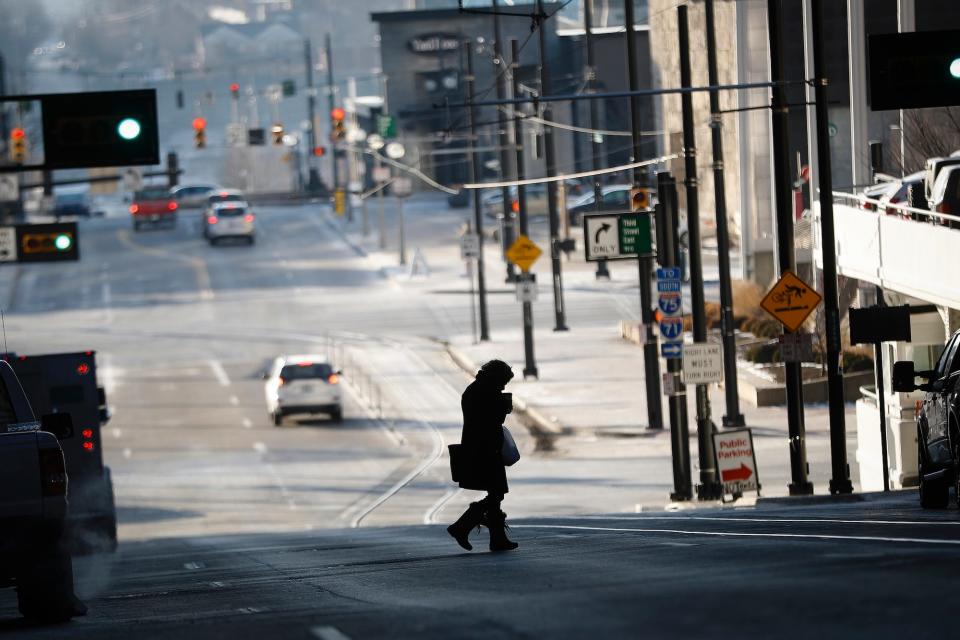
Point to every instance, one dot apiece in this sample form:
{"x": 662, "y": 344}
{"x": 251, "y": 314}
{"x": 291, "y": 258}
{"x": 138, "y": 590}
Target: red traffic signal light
{"x": 199, "y": 123}
{"x": 17, "y": 133}
{"x": 234, "y": 89}
{"x": 319, "y": 151}
{"x": 338, "y": 114}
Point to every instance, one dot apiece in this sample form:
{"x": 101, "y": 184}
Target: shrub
{"x": 764, "y": 353}
{"x": 854, "y": 361}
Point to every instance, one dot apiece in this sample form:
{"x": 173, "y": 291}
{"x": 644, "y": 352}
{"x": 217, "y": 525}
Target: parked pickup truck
{"x": 153, "y": 206}
{"x": 33, "y": 506}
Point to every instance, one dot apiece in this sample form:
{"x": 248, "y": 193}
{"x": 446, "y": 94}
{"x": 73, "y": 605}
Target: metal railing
{"x": 906, "y": 211}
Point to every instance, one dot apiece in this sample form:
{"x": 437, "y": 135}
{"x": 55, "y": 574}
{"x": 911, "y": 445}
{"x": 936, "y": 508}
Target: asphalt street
{"x": 231, "y": 527}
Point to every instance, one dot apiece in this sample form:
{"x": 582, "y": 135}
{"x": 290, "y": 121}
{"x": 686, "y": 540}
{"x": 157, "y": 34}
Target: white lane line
{"x": 108, "y": 373}
{"x": 234, "y": 400}
{"x": 219, "y": 373}
{"x": 117, "y": 433}
{"x": 742, "y": 534}
{"x": 328, "y": 633}
{"x": 194, "y": 565}
{"x": 430, "y": 517}
{"x": 247, "y": 423}
{"x": 107, "y": 299}
{"x": 771, "y": 520}
{"x": 259, "y": 447}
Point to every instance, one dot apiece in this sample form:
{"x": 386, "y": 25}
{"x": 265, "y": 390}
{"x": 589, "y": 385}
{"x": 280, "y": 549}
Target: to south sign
{"x": 434, "y": 43}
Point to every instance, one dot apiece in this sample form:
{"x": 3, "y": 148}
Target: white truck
{"x": 33, "y": 506}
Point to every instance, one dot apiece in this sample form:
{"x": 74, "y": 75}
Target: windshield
{"x": 306, "y": 371}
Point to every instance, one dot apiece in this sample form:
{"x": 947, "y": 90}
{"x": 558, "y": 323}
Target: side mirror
{"x": 903, "y": 377}
{"x": 105, "y": 415}
{"x": 59, "y": 424}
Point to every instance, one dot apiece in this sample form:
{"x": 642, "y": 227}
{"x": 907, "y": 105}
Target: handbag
{"x": 509, "y": 452}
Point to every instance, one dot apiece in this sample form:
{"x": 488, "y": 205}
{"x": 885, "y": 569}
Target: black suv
{"x": 938, "y": 423}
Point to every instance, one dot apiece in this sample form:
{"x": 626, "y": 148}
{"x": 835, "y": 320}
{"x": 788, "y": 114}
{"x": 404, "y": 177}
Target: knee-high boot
{"x": 460, "y": 530}
{"x": 497, "y": 523}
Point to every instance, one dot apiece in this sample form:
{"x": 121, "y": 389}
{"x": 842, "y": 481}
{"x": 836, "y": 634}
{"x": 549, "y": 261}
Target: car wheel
{"x": 250, "y": 240}
{"x": 934, "y": 494}
{"x": 277, "y": 418}
{"x": 337, "y": 415}
{"x": 136, "y": 226}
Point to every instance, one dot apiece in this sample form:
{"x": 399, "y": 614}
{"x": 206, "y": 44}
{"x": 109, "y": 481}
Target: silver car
{"x": 229, "y": 220}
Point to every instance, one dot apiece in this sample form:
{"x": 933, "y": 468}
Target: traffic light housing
{"x": 319, "y": 151}
{"x": 338, "y": 131}
{"x": 276, "y": 131}
{"x": 18, "y": 145}
{"x": 199, "y": 133}
{"x": 914, "y": 70}
{"x": 639, "y": 199}
{"x": 235, "y": 90}
{"x": 50, "y": 242}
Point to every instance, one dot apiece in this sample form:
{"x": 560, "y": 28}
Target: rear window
{"x": 231, "y": 197}
{"x": 152, "y": 194}
{"x": 229, "y": 212}
{"x": 306, "y": 371}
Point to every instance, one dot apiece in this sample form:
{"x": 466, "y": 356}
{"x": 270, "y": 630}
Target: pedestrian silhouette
{"x": 478, "y": 461}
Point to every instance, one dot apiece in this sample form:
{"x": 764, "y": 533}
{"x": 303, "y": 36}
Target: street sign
{"x": 526, "y": 291}
{"x": 669, "y": 302}
{"x": 670, "y": 305}
{"x": 796, "y": 347}
{"x": 132, "y": 179}
{"x": 236, "y": 135}
{"x": 635, "y": 236}
{"x": 8, "y": 244}
{"x": 402, "y": 187}
{"x": 386, "y": 127}
{"x": 600, "y": 238}
{"x": 671, "y": 329}
{"x": 617, "y": 236}
{"x": 736, "y": 462}
{"x": 523, "y": 253}
{"x": 469, "y": 246}
{"x": 790, "y": 301}
{"x": 669, "y": 383}
{"x": 702, "y": 363}
{"x": 9, "y": 187}
{"x": 671, "y": 350}
{"x": 880, "y": 324}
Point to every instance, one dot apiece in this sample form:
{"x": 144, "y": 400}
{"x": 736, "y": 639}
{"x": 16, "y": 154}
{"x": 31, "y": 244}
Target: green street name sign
{"x": 635, "y": 236}
{"x": 617, "y": 236}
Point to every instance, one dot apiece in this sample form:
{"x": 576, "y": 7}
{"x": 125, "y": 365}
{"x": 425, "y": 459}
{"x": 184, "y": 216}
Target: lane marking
{"x": 770, "y": 520}
{"x": 128, "y": 453}
{"x": 743, "y": 534}
{"x": 117, "y": 433}
{"x": 259, "y": 447}
{"x": 106, "y": 297}
{"x": 247, "y": 423}
{"x": 219, "y": 373}
{"x": 234, "y": 400}
{"x": 328, "y": 633}
{"x": 430, "y": 517}
{"x": 194, "y": 565}
{"x": 199, "y": 266}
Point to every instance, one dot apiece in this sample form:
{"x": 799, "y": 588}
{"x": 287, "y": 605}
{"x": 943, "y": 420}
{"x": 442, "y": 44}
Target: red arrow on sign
{"x": 729, "y": 475}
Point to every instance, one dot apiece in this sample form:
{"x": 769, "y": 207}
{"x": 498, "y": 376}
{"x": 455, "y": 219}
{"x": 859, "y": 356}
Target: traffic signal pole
{"x": 559, "y": 311}
{"x": 530, "y": 364}
{"x": 477, "y": 211}
{"x": 595, "y": 143}
{"x": 733, "y": 417}
{"x": 651, "y": 357}
{"x": 709, "y": 487}
{"x": 840, "y": 478}
{"x": 311, "y": 107}
{"x": 800, "y": 484}
{"x": 331, "y": 95}
{"x": 501, "y": 86}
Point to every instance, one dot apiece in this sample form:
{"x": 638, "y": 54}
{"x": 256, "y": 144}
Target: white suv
{"x": 229, "y": 220}
{"x": 304, "y": 384}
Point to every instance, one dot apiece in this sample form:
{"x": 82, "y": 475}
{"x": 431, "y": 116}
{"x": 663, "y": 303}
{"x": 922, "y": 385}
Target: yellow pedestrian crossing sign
{"x": 523, "y": 253}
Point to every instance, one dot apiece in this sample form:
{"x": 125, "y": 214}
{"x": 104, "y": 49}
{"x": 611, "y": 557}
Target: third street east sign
{"x": 617, "y": 236}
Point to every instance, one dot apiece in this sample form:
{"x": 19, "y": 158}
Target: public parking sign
{"x": 736, "y": 462}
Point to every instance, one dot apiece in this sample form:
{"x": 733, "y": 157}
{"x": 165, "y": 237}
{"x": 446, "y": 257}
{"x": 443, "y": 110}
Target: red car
{"x": 153, "y": 206}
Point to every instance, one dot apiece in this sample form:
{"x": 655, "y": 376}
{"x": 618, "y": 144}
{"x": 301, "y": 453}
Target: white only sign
{"x": 702, "y": 363}
{"x": 601, "y": 237}
{"x": 736, "y": 462}
{"x": 8, "y": 244}
{"x": 9, "y": 188}
{"x": 469, "y": 246}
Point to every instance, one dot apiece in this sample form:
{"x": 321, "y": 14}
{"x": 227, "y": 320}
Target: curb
{"x": 808, "y": 500}
{"x": 531, "y": 417}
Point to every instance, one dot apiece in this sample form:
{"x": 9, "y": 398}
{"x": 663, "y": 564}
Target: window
{"x": 306, "y": 371}
{"x": 152, "y": 194}
{"x": 946, "y": 357}
{"x": 616, "y": 198}
{"x": 229, "y": 212}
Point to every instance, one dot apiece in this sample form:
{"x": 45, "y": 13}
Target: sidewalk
{"x": 590, "y": 384}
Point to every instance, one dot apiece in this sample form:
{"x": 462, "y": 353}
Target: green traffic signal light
{"x": 129, "y": 128}
{"x": 63, "y": 242}
{"x": 955, "y": 68}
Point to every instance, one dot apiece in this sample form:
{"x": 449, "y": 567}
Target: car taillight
{"x": 515, "y": 207}
{"x": 333, "y": 378}
{"x": 172, "y": 206}
{"x": 134, "y": 208}
{"x": 248, "y": 217}
{"x": 281, "y": 382}
{"x": 212, "y": 220}
{"x": 87, "y": 433}
{"x": 88, "y": 446}
{"x": 53, "y": 473}
{"x": 943, "y": 207}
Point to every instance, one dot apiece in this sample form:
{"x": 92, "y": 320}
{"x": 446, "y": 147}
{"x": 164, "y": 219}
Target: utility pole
{"x": 668, "y": 253}
{"x": 501, "y": 85}
{"x": 477, "y": 213}
{"x": 559, "y": 311}
{"x": 331, "y": 89}
{"x": 733, "y": 417}
{"x": 530, "y": 364}
{"x": 595, "y": 140}
{"x": 840, "y": 478}
{"x": 311, "y": 109}
{"x": 800, "y": 485}
{"x": 709, "y": 487}
{"x": 651, "y": 357}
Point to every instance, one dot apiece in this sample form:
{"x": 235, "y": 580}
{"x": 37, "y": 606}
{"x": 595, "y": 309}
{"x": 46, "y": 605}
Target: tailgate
{"x": 151, "y": 207}
{"x": 20, "y": 483}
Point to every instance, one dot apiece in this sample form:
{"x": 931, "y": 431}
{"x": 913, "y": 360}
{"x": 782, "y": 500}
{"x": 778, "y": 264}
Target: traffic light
{"x": 914, "y": 70}
{"x": 319, "y": 151}
{"x": 338, "y": 130}
{"x": 639, "y": 199}
{"x": 199, "y": 133}
{"x": 51, "y": 242}
{"x": 18, "y": 145}
{"x": 100, "y": 129}
{"x": 235, "y": 90}
{"x": 277, "y": 132}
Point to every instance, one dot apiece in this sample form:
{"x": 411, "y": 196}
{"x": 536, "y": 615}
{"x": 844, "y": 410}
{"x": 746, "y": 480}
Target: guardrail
{"x": 908, "y": 212}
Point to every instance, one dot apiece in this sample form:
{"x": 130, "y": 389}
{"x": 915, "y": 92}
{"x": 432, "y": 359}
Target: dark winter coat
{"x": 482, "y": 438}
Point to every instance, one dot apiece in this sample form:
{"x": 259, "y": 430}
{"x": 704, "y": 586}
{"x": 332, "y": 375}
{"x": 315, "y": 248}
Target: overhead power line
{"x": 570, "y": 176}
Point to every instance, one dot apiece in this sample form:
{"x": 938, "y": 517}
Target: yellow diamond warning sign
{"x": 790, "y": 301}
{"x": 523, "y": 253}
